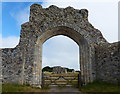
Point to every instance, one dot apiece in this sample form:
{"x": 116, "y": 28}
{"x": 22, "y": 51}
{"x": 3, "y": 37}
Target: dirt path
{"x": 67, "y": 89}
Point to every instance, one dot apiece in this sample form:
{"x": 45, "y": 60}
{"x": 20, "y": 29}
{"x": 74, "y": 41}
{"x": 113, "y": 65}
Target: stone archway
{"x": 85, "y": 64}
{"x": 52, "y": 21}
{"x": 25, "y": 60}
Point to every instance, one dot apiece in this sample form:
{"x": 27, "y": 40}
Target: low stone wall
{"x": 108, "y": 62}
{"x": 11, "y": 65}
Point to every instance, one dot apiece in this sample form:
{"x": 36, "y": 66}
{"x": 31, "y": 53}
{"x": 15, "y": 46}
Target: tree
{"x": 47, "y": 68}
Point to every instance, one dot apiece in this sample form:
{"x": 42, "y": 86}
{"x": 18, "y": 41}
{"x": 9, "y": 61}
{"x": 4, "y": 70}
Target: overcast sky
{"x": 102, "y": 15}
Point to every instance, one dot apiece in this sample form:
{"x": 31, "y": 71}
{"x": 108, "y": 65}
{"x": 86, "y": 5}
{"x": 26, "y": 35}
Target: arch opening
{"x": 60, "y": 51}
{"x": 84, "y": 55}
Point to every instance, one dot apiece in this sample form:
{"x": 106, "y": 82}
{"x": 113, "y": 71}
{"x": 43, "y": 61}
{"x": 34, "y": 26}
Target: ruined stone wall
{"x": 11, "y": 65}
{"x": 22, "y": 64}
{"x": 108, "y": 62}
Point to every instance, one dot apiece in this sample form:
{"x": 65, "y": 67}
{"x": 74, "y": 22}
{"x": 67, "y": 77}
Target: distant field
{"x": 61, "y": 79}
{"x": 64, "y": 74}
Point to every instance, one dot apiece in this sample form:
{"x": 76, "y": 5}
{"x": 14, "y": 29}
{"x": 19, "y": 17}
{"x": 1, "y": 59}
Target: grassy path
{"x": 92, "y": 87}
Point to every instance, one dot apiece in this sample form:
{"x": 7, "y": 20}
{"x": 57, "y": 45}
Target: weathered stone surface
{"x": 108, "y": 62}
{"x": 11, "y": 65}
{"x": 23, "y": 63}
{"x": 59, "y": 70}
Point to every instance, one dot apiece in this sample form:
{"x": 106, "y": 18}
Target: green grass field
{"x": 91, "y": 87}
{"x": 100, "y": 87}
{"x": 63, "y": 74}
{"x": 20, "y": 88}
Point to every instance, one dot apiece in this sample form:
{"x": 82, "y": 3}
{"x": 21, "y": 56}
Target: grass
{"x": 100, "y": 87}
{"x": 21, "y": 88}
{"x": 45, "y": 87}
{"x": 91, "y": 87}
{"x": 75, "y": 84}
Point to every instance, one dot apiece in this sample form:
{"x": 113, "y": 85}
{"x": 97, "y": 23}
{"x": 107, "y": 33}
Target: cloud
{"x": 61, "y": 51}
{"x": 22, "y": 15}
{"x": 8, "y": 42}
{"x": 0, "y": 40}
{"x": 102, "y": 15}
{"x": 16, "y": 0}
{"x": 0, "y": 18}
{"x": 58, "y": 0}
